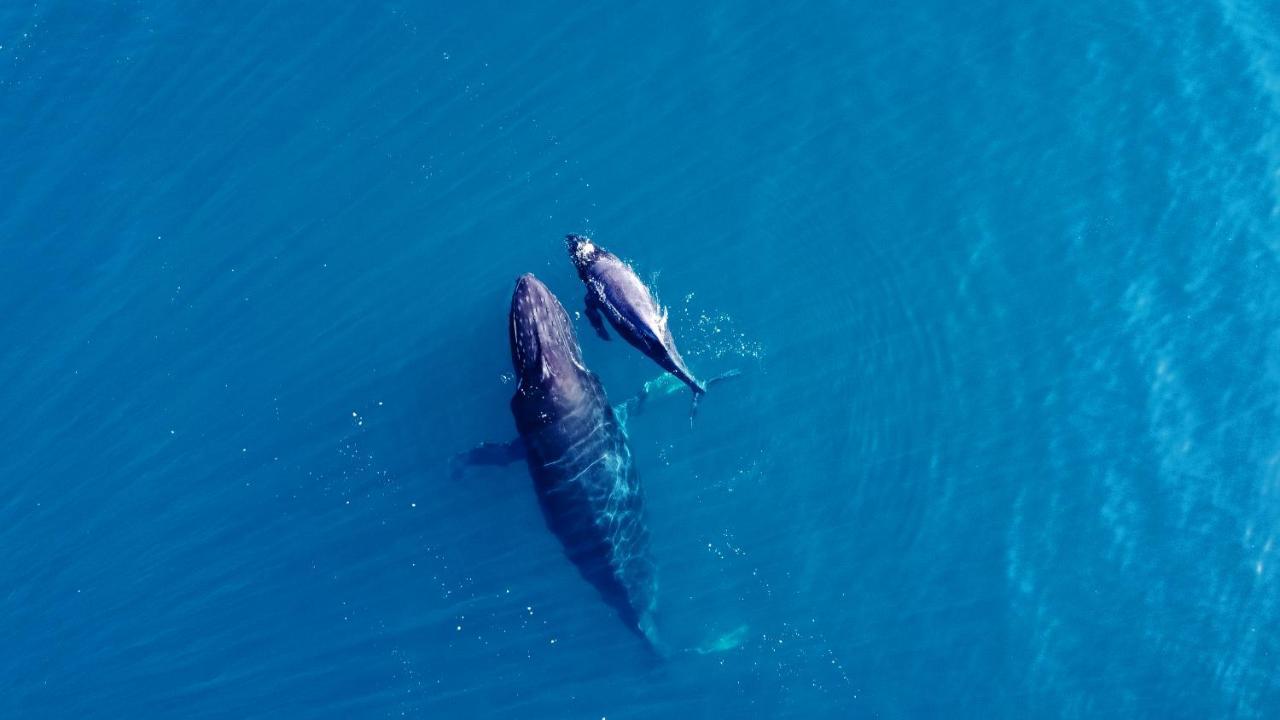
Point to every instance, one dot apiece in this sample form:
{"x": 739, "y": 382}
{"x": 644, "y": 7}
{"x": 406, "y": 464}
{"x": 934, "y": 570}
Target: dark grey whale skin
{"x": 578, "y": 457}
{"x": 614, "y": 290}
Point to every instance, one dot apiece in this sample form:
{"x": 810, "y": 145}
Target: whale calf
{"x": 578, "y": 457}
{"x": 616, "y": 292}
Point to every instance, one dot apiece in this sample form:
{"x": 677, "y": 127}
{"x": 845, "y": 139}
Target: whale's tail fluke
{"x": 700, "y": 389}
{"x": 716, "y": 643}
{"x": 662, "y": 386}
{"x": 649, "y": 629}
{"x": 729, "y": 374}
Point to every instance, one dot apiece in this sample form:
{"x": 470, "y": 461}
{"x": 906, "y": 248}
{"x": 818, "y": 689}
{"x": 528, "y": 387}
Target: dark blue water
{"x": 1003, "y": 279}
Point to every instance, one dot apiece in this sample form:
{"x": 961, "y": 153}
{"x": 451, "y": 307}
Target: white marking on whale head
{"x": 586, "y": 249}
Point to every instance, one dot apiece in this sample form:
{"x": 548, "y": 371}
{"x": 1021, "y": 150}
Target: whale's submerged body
{"x": 577, "y": 454}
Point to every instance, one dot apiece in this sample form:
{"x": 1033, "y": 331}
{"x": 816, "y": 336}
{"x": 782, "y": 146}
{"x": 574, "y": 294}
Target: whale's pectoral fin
{"x": 487, "y": 453}
{"x": 631, "y": 407}
{"x": 634, "y": 405}
{"x": 593, "y": 317}
{"x": 729, "y": 375}
{"x": 724, "y": 642}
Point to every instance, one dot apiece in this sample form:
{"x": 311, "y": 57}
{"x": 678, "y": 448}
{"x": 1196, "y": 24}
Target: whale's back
{"x": 590, "y": 496}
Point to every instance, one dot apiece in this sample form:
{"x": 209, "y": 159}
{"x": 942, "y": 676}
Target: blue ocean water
{"x": 1003, "y": 280}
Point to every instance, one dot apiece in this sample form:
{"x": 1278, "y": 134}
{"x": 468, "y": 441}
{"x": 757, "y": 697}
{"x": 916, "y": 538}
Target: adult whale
{"x": 616, "y": 292}
{"x": 578, "y": 457}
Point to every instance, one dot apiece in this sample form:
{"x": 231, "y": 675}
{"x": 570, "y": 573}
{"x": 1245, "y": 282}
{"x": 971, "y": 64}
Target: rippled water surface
{"x": 1003, "y": 280}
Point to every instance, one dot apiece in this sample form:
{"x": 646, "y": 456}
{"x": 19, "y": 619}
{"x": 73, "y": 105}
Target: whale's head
{"x": 544, "y": 346}
{"x": 582, "y": 252}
